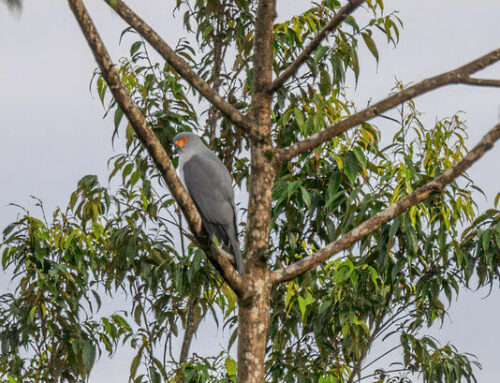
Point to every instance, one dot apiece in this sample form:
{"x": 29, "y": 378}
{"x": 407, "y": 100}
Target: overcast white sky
{"x": 52, "y": 131}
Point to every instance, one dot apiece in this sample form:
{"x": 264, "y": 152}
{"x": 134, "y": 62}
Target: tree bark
{"x": 254, "y": 305}
{"x": 482, "y": 82}
{"x": 253, "y": 323}
{"x": 192, "y": 324}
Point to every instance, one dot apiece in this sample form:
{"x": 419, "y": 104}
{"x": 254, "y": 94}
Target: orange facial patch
{"x": 181, "y": 142}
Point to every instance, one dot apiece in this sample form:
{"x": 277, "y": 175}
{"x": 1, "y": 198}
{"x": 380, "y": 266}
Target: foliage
{"x": 128, "y": 239}
{"x": 13, "y": 5}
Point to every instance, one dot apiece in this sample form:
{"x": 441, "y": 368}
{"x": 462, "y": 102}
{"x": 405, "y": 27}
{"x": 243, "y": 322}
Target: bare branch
{"x": 192, "y": 324}
{"x": 381, "y": 356}
{"x": 481, "y": 81}
{"x": 460, "y": 75}
{"x": 183, "y": 68}
{"x": 219, "y": 258}
{"x": 369, "y": 226}
{"x": 316, "y": 41}
{"x": 356, "y": 368}
{"x": 218, "y": 57}
{"x": 385, "y": 372}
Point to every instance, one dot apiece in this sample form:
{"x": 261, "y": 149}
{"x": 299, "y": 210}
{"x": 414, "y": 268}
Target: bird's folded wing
{"x": 207, "y": 186}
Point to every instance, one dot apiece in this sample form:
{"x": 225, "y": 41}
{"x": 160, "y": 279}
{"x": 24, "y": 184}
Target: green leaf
{"x": 97, "y": 228}
{"x": 374, "y": 275}
{"x": 497, "y": 199}
{"x": 370, "y": 44}
{"x": 325, "y": 83}
{"x": 486, "y": 237}
{"x": 305, "y": 197}
{"x": 232, "y": 339}
{"x": 156, "y": 377}
{"x": 334, "y": 184}
{"x": 135, "y": 364}
{"x": 138, "y": 314}
{"x": 179, "y": 279}
{"x": 358, "y": 152}
{"x": 230, "y": 366}
{"x": 88, "y": 355}
{"x": 101, "y": 89}
{"x": 320, "y": 53}
{"x": 207, "y": 31}
{"x": 351, "y": 167}
{"x": 304, "y": 302}
{"x": 127, "y": 170}
{"x": 135, "y": 177}
{"x": 299, "y": 117}
{"x": 394, "y": 227}
{"x": 354, "y": 63}
{"x": 135, "y": 47}
{"x": 292, "y": 188}
{"x": 413, "y": 241}
{"x": 32, "y": 314}
{"x": 352, "y": 22}
{"x": 118, "y": 116}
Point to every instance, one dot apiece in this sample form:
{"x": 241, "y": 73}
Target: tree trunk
{"x": 254, "y": 314}
{"x": 254, "y": 305}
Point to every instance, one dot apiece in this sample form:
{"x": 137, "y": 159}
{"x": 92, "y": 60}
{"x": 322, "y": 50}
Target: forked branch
{"x": 481, "y": 81}
{"x": 220, "y": 259}
{"x": 460, "y": 75}
{"x": 315, "y": 43}
{"x": 183, "y": 68}
{"x": 369, "y": 226}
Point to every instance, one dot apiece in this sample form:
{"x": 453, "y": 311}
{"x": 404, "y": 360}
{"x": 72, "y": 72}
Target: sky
{"x": 53, "y": 133}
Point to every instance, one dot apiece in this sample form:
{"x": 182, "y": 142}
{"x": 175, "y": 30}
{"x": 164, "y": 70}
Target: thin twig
{"x": 315, "y": 43}
{"x": 481, "y": 81}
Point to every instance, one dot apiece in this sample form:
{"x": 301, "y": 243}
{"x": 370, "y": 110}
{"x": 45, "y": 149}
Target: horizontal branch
{"x": 219, "y": 258}
{"x": 183, "y": 68}
{"x": 481, "y": 82}
{"x": 369, "y": 226}
{"x": 314, "y": 44}
{"x": 460, "y": 75}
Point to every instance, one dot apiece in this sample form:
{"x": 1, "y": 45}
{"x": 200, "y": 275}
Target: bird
{"x": 209, "y": 184}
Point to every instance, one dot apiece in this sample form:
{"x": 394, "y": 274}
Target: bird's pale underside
{"x": 209, "y": 184}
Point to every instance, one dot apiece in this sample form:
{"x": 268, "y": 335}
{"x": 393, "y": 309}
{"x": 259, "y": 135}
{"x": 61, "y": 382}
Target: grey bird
{"x": 209, "y": 184}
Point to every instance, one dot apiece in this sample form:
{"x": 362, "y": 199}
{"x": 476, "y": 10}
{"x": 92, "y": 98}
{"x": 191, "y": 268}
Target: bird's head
{"x": 186, "y": 140}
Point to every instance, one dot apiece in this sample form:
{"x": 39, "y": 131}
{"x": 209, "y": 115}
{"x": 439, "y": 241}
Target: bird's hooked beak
{"x": 180, "y": 143}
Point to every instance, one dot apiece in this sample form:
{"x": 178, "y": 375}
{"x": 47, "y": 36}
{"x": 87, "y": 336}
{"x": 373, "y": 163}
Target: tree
{"x": 346, "y": 240}
{"x": 13, "y": 4}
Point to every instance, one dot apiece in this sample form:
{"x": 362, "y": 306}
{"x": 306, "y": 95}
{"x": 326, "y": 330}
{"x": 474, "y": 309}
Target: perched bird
{"x": 208, "y": 183}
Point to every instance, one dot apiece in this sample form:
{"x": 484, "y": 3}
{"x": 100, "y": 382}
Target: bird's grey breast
{"x": 184, "y": 158}
{"x": 182, "y": 161}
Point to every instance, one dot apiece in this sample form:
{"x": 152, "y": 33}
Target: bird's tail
{"x": 235, "y": 245}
